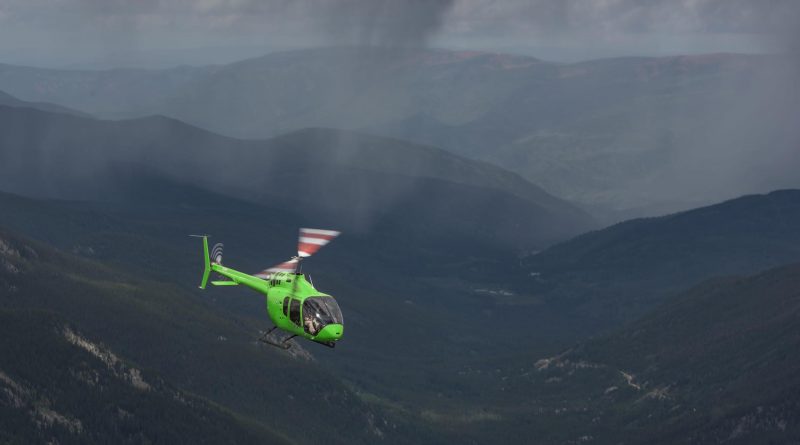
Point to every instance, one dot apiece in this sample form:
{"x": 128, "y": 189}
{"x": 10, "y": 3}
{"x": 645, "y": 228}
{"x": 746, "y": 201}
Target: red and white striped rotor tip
{"x": 311, "y": 240}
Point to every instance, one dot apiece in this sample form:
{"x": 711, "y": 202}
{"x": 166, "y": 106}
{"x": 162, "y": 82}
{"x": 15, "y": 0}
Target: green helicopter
{"x": 293, "y": 304}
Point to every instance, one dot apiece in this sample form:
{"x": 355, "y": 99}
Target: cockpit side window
{"x": 286, "y": 306}
{"x": 294, "y": 311}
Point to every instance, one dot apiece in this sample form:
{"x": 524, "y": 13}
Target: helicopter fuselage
{"x": 293, "y": 304}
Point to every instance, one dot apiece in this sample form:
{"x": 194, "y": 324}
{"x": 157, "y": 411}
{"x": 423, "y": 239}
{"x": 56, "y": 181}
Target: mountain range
{"x": 125, "y": 273}
{"x": 8, "y": 100}
{"x": 479, "y": 308}
{"x": 616, "y": 273}
{"x": 330, "y": 177}
{"x": 714, "y": 364}
{"x": 622, "y": 137}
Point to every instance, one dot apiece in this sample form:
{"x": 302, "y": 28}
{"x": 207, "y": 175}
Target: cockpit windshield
{"x": 319, "y": 312}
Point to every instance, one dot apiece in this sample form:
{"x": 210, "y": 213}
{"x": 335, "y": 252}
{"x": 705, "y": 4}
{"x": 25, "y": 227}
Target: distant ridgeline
{"x": 614, "y": 274}
{"x": 336, "y": 178}
{"x": 622, "y": 135}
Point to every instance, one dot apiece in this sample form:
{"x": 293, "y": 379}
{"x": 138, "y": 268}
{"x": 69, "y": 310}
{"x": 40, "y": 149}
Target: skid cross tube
{"x": 282, "y": 344}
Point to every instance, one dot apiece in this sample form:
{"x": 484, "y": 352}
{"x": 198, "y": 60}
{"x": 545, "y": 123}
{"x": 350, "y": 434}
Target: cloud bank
{"x": 171, "y": 23}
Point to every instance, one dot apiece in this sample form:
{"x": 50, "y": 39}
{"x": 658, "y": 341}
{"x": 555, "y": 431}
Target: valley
{"x": 524, "y": 250}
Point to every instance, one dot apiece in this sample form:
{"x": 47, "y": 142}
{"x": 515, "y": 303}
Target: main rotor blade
{"x": 311, "y": 240}
{"x": 287, "y": 266}
{"x": 308, "y": 243}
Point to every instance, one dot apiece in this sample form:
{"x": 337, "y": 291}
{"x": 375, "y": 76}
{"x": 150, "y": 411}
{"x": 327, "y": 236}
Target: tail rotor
{"x": 216, "y": 253}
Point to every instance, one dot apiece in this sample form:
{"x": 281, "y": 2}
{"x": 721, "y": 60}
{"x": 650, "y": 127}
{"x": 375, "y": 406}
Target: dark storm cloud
{"x": 748, "y": 16}
{"x": 645, "y": 26}
{"x": 367, "y": 21}
{"x": 395, "y": 22}
{"x": 407, "y": 23}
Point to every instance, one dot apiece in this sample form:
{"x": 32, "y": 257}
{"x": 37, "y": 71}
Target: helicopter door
{"x": 294, "y": 311}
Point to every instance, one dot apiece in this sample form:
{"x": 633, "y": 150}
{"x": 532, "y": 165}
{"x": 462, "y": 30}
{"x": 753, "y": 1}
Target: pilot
{"x": 311, "y": 324}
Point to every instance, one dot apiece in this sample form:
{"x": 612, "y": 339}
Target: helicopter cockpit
{"x": 319, "y": 312}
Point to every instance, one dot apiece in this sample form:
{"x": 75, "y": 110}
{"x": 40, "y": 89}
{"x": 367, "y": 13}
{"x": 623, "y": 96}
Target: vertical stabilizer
{"x": 206, "y": 261}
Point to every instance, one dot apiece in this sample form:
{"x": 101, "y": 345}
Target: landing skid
{"x": 330, "y": 344}
{"x": 284, "y": 344}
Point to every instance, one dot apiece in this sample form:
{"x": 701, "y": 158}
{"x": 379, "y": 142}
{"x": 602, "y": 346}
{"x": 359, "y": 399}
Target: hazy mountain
{"x": 109, "y": 92}
{"x": 286, "y": 91}
{"x": 652, "y": 135}
{"x": 330, "y": 177}
{"x": 615, "y": 273}
{"x": 626, "y": 136}
{"x": 11, "y": 101}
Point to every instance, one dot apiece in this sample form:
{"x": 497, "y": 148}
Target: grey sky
{"x": 59, "y": 31}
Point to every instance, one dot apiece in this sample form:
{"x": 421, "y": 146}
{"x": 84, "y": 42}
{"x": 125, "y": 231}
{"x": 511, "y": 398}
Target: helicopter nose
{"x": 331, "y": 332}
